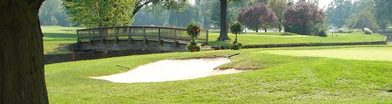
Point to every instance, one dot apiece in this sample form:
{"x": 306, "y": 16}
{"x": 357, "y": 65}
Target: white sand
{"x": 172, "y": 70}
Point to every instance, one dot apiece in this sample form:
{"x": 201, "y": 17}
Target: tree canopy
{"x": 304, "y": 18}
{"x": 52, "y": 12}
{"x": 99, "y": 13}
{"x": 278, "y": 7}
{"x": 257, "y": 16}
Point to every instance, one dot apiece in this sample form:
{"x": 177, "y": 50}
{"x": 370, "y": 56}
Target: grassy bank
{"x": 286, "y": 38}
{"x": 275, "y": 79}
{"x": 55, "y": 37}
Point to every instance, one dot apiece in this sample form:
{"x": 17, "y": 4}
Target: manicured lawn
{"x": 285, "y": 38}
{"x": 356, "y": 53}
{"x": 275, "y": 79}
{"x": 55, "y": 37}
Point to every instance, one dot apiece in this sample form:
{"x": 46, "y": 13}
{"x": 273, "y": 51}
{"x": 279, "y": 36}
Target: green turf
{"x": 55, "y": 37}
{"x": 368, "y": 53}
{"x": 276, "y": 79}
{"x": 286, "y": 38}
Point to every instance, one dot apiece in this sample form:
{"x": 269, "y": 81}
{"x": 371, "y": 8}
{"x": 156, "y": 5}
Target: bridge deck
{"x": 145, "y": 33}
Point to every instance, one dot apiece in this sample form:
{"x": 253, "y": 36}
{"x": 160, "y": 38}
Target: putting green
{"x": 358, "y": 53}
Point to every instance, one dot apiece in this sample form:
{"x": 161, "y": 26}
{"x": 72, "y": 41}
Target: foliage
{"x": 236, "y": 29}
{"x": 338, "y": 12}
{"x": 100, "y": 13}
{"x": 149, "y": 16}
{"x": 365, "y": 19}
{"x": 304, "y": 18}
{"x": 166, "y": 4}
{"x": 193, "y": 30}
{"x": 193, "y": 47}
{"x": 383, "y": 13}
{"x": 278, "y": 7}
{"x": 257, "y": 16}
{"x": 322, "y": 33}
{"x": 236, "y": 46}
{"x": 53, "y": 13}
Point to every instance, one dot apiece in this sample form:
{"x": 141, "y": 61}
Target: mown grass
{"x": 287, "y": 38}
{"x": 356, "y": 53}
{"x": 275, "y": 79}
{"x": 56, "y": 37}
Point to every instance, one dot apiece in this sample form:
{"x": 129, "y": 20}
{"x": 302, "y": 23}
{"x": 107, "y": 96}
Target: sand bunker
{"x": 172, "y": 70}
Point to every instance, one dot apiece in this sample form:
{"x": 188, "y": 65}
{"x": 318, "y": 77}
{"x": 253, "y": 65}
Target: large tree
{"x": 383, "y": 13}
{"x": 338, "y": 12}
{"x": 22, "y": 79}
{"x": 304, "y": 18}
{"x": 223, "y": 21}
{"x": 168, "y": 4}
{"x": 278, "y": 6}
{"x": 100, "y": 13}
{"x": 52, "y": 12}
{"x": 257, "y": 16}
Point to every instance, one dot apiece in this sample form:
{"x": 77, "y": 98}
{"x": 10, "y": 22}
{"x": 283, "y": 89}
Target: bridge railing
{"x": 145, "y": 33}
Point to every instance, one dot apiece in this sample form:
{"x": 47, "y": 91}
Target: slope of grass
{"x": 55, "y": 37}
{"x": 357, "y": 53}
{"x": 276, "y": 79}
{"x": 286, "y": 38}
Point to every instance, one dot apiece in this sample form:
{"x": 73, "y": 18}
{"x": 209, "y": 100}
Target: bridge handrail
{"x": 108, "y": 33}
{"x": 135, "y": 26}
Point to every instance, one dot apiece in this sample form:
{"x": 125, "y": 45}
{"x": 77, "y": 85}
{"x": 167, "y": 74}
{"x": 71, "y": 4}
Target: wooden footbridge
{"x": 136, "y": 37}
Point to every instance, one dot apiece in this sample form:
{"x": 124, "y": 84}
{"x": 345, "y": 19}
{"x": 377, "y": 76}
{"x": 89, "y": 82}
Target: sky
{"x": 322, "y": 3}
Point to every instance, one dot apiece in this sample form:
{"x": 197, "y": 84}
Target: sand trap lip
{"x": 172, "y": 70}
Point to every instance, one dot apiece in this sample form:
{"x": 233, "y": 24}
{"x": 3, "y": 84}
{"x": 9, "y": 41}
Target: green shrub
{"x": 323, "y": 33}
{"x": 193, "y": 30}
{"x": 193, "y": 47}
{"x": 236, "y": 29}
{"x": 236, "y": 46}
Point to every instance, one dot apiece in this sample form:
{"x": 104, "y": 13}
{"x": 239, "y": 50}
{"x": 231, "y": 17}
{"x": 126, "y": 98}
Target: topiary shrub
{"x": 236, "y": 29}
{"x": 193, "y": 30}
{"x": 323, "y": 33}
{"x": 236, "y": 46}
{"x": 367, "y": 31}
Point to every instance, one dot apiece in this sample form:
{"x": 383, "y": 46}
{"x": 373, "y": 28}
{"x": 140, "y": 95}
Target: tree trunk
{"x": 223, "y": 21}
{"x": 22, "y": 79}
{"x": 280, "y": 28}
{"x": 265, "y": 30}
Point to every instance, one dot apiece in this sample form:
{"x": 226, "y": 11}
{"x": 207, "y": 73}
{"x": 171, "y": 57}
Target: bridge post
{"x": 207, "y": 37}
{"x": 90, "y": 37}
{"x": 130, "y": 40}
{"x": 116, "y": 32}
{"x": 175, "y": 38}
{"x": 145, "y": 35}
{"x": 78, "y": 35}
{"x": 101, "y": 36}
{"x": 159, "y": 36}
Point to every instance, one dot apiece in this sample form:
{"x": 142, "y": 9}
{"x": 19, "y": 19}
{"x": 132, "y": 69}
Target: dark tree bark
{"x": 223, "y": 21}
{"x": 21, "y": 53}
{"x": 139, "y": 5}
